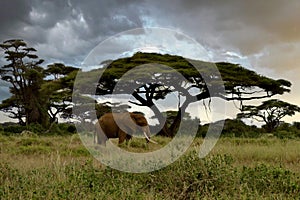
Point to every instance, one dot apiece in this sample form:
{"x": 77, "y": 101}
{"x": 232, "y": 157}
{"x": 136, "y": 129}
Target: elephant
{"x": 122, "y": 126}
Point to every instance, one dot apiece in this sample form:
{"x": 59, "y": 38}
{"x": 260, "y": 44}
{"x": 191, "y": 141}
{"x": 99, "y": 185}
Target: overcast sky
{"x": 262, "y": 35}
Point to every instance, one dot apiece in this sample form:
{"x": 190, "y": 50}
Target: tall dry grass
{"x": 59, "y": 167}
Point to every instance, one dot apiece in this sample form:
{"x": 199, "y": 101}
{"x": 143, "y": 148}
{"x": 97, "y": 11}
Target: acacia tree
{"x": 14, "y": 107}
{"x": 26, "y": 77}
{"x": 58, "y": 90}
{"x": 35, "y": 98}
{"x": 270, "y": 112}
{"x": 240, "y": 84}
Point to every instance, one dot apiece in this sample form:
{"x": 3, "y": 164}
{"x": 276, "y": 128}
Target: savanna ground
{"x": 59, "y": 167}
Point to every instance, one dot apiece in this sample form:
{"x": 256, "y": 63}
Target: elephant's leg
{"x": 102, "y": 140}
{"x": 100, "y": 137}
{"x": 122, "y": 136}
{"x": 95, "y": 137}
{"x": 97, "y": 134}
{"x": 128, "y": 137}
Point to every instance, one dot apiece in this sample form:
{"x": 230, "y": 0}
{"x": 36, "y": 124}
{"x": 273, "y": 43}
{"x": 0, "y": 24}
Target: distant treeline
{"x": 9, "y": 128}
{"x": 237, "y": 128}
{"x": 231, "y": 128}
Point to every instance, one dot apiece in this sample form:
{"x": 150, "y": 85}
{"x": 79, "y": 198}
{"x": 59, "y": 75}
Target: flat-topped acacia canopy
{"x": 239, "y": 83}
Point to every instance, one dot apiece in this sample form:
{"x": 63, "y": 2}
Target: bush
{"x": 257, "y": 179}
{"x": 18, "y": 129}
{"x": 282, "y": 134}
{"x": 14, "y": 129}
{"x": 62, "y": 129}
{"x": 288, "y": 131}
{"x": 55, "y": 129}
{"x": 233, "y": 128}
{"x": 36, "y": 128}
{"x": 66, "y": 127}
{"x": 237, "y": 128}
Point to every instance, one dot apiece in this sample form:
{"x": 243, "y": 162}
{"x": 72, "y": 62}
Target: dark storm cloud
{"x": 258, "y": 31}
{"x": 13, "y": 16}
{"x": 101, "y": 17}
{"x": 110, "y": 17}
{"x": 66, "y": 30}
{"x": 244, "y": 25}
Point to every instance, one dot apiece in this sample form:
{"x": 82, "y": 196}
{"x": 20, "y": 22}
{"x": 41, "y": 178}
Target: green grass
{"x": 59, "y": 167}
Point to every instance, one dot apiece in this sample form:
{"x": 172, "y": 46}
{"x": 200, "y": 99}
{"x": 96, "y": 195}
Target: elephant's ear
{"x": 139, "y": 119}
{"x": 127, "y": 123}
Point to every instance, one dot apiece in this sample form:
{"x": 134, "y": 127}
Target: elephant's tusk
{"x": 149, "y": 138}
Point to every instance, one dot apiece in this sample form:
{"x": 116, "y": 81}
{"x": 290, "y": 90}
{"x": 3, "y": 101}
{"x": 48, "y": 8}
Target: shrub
{"x": 17, "y": 129}
{"x": 233, "y": 128}
{"x": 62, "y": 129}
{"x": 283, "y": 134}
{"x": 264, "y": 178}
{"x": 67, "y": 127}
{"x": 36, "y": 128}
{"x": 286, "y": 130}
{"x": 237, "y": 128}
{"x": 14, "y": 129}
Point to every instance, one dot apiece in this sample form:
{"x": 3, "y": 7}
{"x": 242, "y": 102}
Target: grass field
{"x": 59, "y": 167}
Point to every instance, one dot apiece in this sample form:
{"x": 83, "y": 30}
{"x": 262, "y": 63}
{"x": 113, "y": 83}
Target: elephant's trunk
{"x": 147, "y": 134}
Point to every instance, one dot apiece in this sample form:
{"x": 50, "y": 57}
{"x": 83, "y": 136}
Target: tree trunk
{"x": 165, "y": 131}
{"x": 271, "y": 125}
{"x": 172, "y": 130}
{"x": 176, "y": 123}
{"x": 36, "y": 111}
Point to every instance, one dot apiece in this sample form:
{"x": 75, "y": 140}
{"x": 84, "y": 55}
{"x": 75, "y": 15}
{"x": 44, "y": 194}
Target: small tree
{"x": 269, "y": 112}
{"x": 58, "y": 91}
{"x": 26, "y": 77}
{"x": 38, "y": 95}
